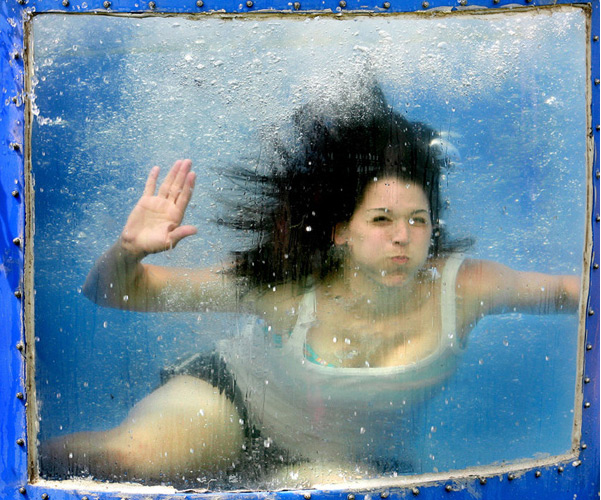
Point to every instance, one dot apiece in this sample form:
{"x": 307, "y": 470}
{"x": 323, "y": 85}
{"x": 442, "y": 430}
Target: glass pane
{"x": 360, "y": 297}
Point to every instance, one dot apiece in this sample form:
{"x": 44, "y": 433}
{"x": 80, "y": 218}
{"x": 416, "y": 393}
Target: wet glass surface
{"x": 115, "y": 96}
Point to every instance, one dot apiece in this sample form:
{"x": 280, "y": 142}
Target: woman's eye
{"x": 417, "y": 221}
{"x": 381, "y": 219}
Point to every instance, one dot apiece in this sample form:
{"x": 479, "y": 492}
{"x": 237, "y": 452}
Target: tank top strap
{"x": 306, "y": 317}
{"x": 448, "y": 300}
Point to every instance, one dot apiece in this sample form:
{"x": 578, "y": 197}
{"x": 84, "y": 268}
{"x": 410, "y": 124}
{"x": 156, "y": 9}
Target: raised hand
{"x": 154, "y": 225}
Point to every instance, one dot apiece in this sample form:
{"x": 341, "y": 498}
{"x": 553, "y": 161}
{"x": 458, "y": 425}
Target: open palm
{"x": 154, "y": 225}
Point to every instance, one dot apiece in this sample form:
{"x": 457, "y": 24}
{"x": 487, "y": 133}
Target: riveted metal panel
{"x": 569, "y": 478}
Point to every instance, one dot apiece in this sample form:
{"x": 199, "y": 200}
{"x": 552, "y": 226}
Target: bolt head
{"x": 199, "y": 3}
{"x": 20, "y": 395}
{"x": 448, "y": 488}
{"x": 537, "y": 473}
{"x": 249, "y": 3}
{"x": 350, "y": 496}
{"x": 296, "y": 5}
{"x": 483, "y": 481}
{"x": 65, "y": 3}
{"x": 22, "y": 490}
{"x": 415, "y": 491}
{"x": 106, "y": 4}
{"x": 386, "y": 5}
{"x": 152, "y": 5}
{"x": 342, "y": 4}
{"x": 20, "y": 441}
{"x": 560, "y": 469}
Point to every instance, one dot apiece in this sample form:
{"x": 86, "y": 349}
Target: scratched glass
{"x": 308, "y": 394}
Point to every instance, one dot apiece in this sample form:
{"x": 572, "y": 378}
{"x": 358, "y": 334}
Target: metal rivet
{"x": 350, "y": 496}
{"x": 591, "y": 312}
{"x": 342, "y": 4}
{"x": 482, "y": 480}
{"x": 598, "y": 127}
{"x": 463, "y": 2}
{"x": 587, "y": 405}
{"x": 21, "y": 2}
{"x": 20, "y": 346}
{"x": 560, "y": 469}
{"x": 583, "y": 446}
{"x": 20, "y": 395}
{"x": 589, "y": 347}
{"x": 576, "y": 463}
{"x": 15, "y": 194}
{"x": 511, "y": 477}
{"x": 537, "y": 473}
{"x": 596, "y": 38}
{"x": 496, "y": 1}
{"x": 16, "y": 55}
{"x": 106, "y": 4}
{"x": 597, "y": 218}
{"x": 587, "y": 380}
{"x": 386, "y": 5}
{"x": 199, "y": 3}
{"x": 597, "y": 81}
{"x": 595, "y": 265}
{"x": 65, "y": 3}
{"x": 384, "y": 494}
{"x": 448, "y": 488}
{"x": 20, "y": 441}
{"x": 22, "y": 490}
{"x": 84, "y": 498}
{"x": 415, "y": 491}
{"x": 297, "y": 5}
{"x": 18, "y": 294}
{"x": 528, "y": 1}
{"x": 306, "y": 496}
{"x": 249, "y": 3}
{"x": 152, "y": 5}
{"x": 14, "y": 146}
{"x": 425, "y": 5}
{"x": 17, "y": 241}
{"x": 44, "y": 496}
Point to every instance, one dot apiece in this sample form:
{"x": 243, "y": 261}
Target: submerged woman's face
{"x": 389, "y": 234}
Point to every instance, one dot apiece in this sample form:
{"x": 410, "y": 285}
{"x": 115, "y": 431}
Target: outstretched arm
{"x": 120, "y": 279}
{"x": 486, "y": 287}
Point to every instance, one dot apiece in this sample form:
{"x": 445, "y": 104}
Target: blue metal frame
{"x": 575, "y": 479}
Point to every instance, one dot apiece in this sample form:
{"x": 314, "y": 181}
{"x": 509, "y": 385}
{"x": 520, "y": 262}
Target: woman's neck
{"x": 364, "y": 296}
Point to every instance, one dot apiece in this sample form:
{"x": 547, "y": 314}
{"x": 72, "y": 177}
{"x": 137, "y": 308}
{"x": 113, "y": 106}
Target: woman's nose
{"x": 400, "y": 235}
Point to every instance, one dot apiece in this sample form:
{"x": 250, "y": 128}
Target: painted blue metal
{"x": 578, "y": 479}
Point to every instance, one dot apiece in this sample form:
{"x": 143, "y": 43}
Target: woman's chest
{"x": 354, "y": 339}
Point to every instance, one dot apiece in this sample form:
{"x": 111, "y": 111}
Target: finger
{"x": 165, "y": 188}
{"x": 151, "y": 182}
{"x": 186, "y": 192}
{"x": 180, "y": 180}
{"x": 181, "y": 232}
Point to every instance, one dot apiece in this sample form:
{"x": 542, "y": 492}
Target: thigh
{"x": 185, "y": 425}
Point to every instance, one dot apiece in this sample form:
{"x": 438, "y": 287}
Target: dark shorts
{"x": 260, "y": 458}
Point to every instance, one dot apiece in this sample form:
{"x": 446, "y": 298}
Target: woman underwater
{"x": 359, "y": 306}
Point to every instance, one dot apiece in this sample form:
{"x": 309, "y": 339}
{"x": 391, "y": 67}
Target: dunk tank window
{"x": 114, "y": 96}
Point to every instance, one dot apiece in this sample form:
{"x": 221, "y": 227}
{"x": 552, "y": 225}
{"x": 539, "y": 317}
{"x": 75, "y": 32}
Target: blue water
{"x": 148, "y": 91}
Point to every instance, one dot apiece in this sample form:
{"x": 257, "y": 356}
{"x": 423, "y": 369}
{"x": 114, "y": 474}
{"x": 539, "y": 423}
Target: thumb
{"x": 181, "y": 232}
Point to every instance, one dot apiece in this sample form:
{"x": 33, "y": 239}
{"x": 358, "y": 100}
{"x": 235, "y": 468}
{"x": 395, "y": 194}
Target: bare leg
{"x": 184, "y": 426}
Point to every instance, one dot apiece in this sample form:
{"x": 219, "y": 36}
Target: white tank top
{"x": 336, "y": 413}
